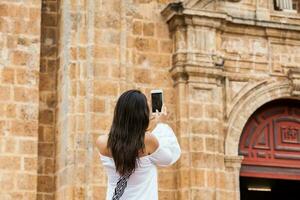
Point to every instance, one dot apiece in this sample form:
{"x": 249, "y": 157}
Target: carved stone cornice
{"x": 185, "y": 73}
{"x": 193, "y": 3}
{"x": 179, "y": 14}
{"x": 171, "y": 10}
{"x": 195, "y": 37}
{"x": 198, "y": 58}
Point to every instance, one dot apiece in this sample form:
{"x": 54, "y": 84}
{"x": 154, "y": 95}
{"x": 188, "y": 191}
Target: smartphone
{"x": 156, "y": 100}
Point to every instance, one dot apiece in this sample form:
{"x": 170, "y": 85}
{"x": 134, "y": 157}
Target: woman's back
{"x": 162, "y": 149}
{"x": 142, "y": 184}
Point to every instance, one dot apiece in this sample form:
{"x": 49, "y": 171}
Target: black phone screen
{"x": 156, "y": 99}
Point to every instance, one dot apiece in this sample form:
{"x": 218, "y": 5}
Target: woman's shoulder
{"x": 101, "y": 144}
{"x": 151, "y": 144}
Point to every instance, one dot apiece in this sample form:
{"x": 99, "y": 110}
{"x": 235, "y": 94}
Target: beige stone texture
{"x": 63, "y": 65}
{"x": 19, "y": 98}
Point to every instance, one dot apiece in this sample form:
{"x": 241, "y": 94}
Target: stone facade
{"x": 229, "y": 58}
{"x": 63, "y": 65}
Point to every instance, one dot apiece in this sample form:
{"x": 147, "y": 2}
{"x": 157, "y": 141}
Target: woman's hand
{"x": 158, "y": 117}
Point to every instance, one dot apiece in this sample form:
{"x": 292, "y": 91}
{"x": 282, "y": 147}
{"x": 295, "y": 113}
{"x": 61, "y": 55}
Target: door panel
{"x": 270, "y": 142}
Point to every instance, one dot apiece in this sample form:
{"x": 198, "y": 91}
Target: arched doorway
{"x": 270, "y": 144}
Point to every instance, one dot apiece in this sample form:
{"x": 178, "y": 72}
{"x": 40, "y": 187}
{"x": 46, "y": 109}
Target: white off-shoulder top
{"x": 142, "y": 184}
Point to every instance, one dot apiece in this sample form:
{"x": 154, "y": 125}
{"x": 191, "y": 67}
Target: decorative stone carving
{"x": 294, "y": 76}
{"x": 218, "y": 60}
{"x": 196, "y": 31}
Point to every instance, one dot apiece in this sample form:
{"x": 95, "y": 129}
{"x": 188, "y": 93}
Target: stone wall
{"x": 19, "y": 98}
{"x": 217, "y": 62}
{"x": 132, "y": 50}
{"x": 105, "y": 48}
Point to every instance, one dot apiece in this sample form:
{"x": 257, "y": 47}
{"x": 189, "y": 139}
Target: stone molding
{"x": 179, "y": 12}
{"x": 192, "y": 3}
{"x": 184, "y": 72}
{"x": 243, "y": 93}
{"x": 233, "y": 161}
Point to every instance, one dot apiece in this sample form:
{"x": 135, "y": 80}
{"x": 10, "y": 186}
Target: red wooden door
{"x": 270, "y": 142}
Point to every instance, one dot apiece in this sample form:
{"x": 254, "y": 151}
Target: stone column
{"x": 232, "y": 168}
{"x": 74, "y": 139}
{"x": 197, "y": 72}
{"x": 184, "y": 178}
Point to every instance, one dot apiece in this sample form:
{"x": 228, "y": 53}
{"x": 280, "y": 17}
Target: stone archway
{"x": 248, "y": 102}
{"x": 246, "y": 106}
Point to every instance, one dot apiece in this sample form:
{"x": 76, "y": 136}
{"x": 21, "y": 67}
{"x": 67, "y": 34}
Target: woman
{"x": 130, "y": 154}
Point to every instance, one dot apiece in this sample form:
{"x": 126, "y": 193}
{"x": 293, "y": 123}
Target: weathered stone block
{"x": 26, "y": 182}
{"x": 10, "y": 162}
{"x": 148, "y": 29}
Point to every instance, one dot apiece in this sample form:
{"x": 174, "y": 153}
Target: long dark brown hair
{"x": 127, "y": 133}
